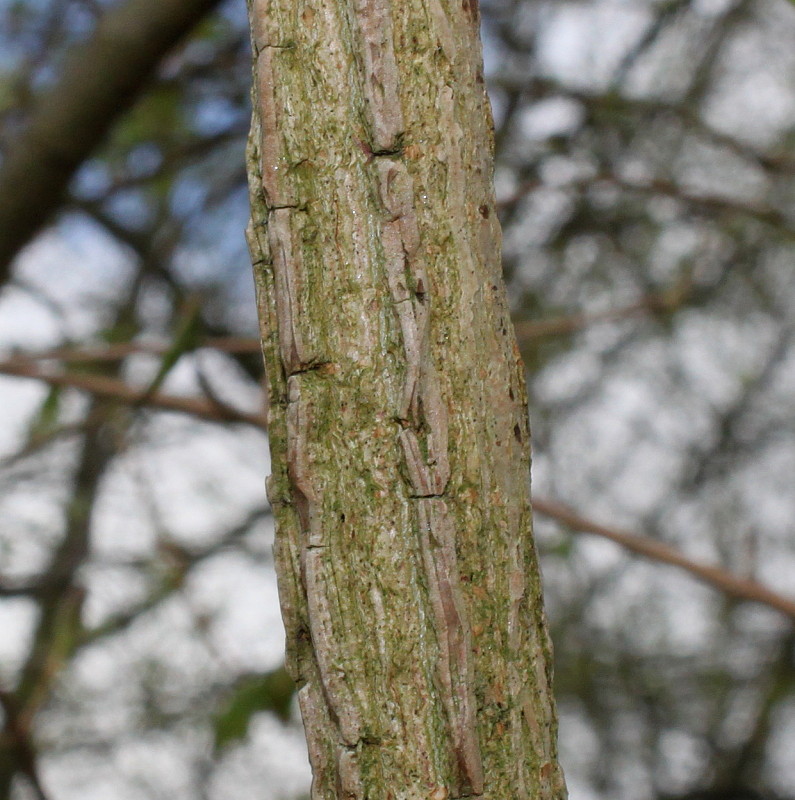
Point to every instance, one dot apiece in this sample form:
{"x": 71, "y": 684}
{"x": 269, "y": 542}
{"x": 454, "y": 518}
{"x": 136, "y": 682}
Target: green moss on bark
{"x": 401, "y": 609}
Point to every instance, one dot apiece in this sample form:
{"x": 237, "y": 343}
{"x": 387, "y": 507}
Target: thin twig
{"x": 112, "y": 388}
{"x": 710, "y": 203}
{"x": 667, "y": 300}
{"x": 233, "y": 345}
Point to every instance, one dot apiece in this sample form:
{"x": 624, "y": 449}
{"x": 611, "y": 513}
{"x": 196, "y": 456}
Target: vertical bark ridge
{"x": 400, "y": 447}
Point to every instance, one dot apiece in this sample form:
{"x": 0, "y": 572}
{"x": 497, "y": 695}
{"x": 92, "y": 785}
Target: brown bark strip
{"x": 305, "y": 497}
{"x": 380, "y": 73}
{"x": 454, "y": 665}
{"x": 350, "y": 780}
{"x": 277, "y": 188}
{"x": 287, "y": 272}
{"x": 315, "y": 716}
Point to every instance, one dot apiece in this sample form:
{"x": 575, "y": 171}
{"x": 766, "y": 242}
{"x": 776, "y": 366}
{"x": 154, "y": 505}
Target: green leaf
{"x": 46, "y": 420}
{"x": 124, "y": 330}
{"x": 156, "y": 115}
{"x": 253, "y": 694}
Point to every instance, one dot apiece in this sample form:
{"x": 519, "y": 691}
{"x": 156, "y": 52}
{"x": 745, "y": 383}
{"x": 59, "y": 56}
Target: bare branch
{"x": 112, "y": 388}
{"x": 18, "y": 738}
{"x": 709, "y": 203}
{"x": 660, "y": 302}
{"x": 726, "y": 582}
{"x": 233, "y": 345}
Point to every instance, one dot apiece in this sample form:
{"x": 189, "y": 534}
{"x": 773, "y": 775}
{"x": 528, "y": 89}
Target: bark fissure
{"x": 424, "y": 413}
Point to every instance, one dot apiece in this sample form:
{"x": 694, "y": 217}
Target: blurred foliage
{"x": 253, "y": 694}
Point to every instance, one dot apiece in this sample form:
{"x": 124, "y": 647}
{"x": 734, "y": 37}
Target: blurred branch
{"x": 99, "y": 80}
{"x": 607, "y": 105}
{"x": 19, "y": 747}
{"x": 739, "y": 588}
{"x": 174, "y": 158}
{"x": 740, "y": 760}
{"x": 59, "y": 619}
{"x": 658, "y": 302}
{"x": 18, "y": 590}
{"x": 712, "y": 47}
{"x": 115, "y": 389}
{"x": 710, "y": 457}
{"x": 233, "y": 345}
{"x": 177, "y": 561}
{"x": 668, "y": 13}
{"x": 59, "y": 591}
{"x": 39, "y": 442}
{"x": 761, "y": 212}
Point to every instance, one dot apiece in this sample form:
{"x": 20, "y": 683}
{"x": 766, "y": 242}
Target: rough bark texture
{"x": 399, "y": 438}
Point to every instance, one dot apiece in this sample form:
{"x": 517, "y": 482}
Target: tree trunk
{"x": 400, "y": 448}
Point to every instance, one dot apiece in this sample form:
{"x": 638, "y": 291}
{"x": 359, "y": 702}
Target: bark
{"x": 99, "y": 80}
{"x": 400, "y": 447}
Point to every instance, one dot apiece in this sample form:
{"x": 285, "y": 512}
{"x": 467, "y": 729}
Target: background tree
{"x": 645, "y": 188}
